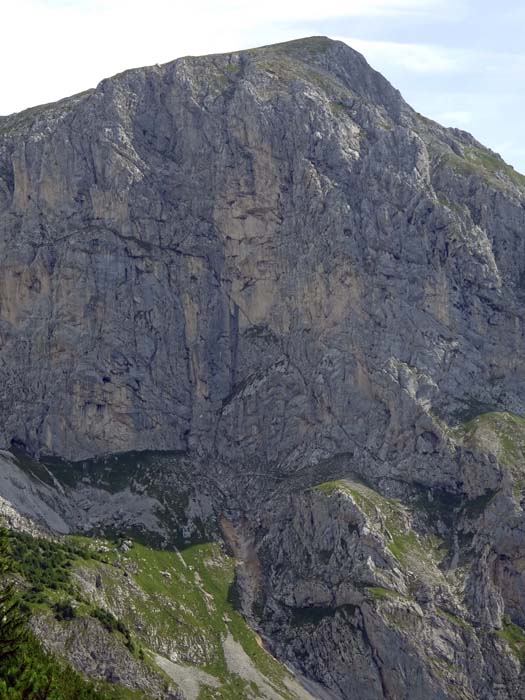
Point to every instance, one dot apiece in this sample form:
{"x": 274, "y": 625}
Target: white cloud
{"x": 415, "y": 58}
{"x": 56, "y": 47}
{"x": 307, "y": 10}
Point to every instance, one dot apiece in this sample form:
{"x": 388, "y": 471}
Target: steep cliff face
{"x": 264, "y": 257}
{"x": 267, "y": 263}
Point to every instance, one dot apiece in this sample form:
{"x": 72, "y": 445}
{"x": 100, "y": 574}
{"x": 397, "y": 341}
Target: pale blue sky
{"x": 461, "y": 62}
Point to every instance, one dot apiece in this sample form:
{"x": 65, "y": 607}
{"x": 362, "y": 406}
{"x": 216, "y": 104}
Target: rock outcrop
{"x": 268, "y": 264}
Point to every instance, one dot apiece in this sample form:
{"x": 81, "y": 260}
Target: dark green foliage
{"x": 64, "y": 611}
{"x": 46, "y": 566}
{"x": 310, "y": 615}
{"x": 111, "y": 623}
{"x": 43, "y": 564}
{"x": 26, "y": 671}
{"x": 12, "y": 616}
{"x": 31, "y": 674}
{"x": 477, "y": 506}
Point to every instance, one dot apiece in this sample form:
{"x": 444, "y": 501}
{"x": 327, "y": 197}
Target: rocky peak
{"x": 269, "y": 265}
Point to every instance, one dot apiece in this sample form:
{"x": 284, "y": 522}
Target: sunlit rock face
{"x": 268, "y": 264}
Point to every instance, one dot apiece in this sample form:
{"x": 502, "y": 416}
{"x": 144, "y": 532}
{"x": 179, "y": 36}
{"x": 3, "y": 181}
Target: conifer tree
{"x": 13, "y": 621}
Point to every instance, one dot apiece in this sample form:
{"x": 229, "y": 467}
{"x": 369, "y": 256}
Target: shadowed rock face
{"x": 267, "y": 261}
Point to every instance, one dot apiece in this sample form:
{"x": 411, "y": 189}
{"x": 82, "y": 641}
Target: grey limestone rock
{"x": 269, "y": 264}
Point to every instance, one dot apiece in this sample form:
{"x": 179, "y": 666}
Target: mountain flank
{"x": 260, "y": 318}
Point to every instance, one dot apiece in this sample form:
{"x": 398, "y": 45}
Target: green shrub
{"x": 111, "y": 623}
{"x": 27, "y": 672}
{"x": 64, "y": 611}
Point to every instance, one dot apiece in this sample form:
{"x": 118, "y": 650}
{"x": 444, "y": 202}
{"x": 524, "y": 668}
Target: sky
{"x": 461, "y": 62}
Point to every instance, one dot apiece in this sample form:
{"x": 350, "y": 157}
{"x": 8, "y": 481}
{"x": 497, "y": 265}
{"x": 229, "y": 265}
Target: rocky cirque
{"x": 269, "y": 265}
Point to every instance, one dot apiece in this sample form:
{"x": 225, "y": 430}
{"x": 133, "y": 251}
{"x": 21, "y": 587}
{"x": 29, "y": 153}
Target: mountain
{"x": 256, "y": 299}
